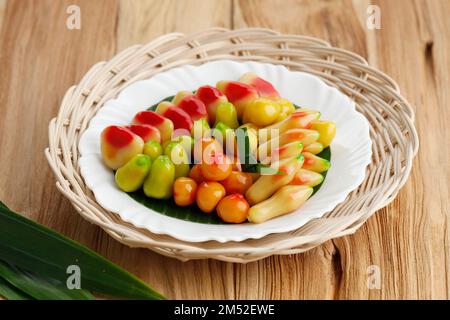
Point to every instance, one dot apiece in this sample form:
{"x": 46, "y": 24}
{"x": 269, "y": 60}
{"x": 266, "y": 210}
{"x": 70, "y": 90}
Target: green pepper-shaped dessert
{"x": 131, "y": 176}
{"x": 160, "y": 181}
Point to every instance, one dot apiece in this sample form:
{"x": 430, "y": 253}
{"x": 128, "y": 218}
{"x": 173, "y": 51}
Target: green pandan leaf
{"x": 40, "y": 288}
{"x": 8, "y": 291}
{"x": 48, "y": 254}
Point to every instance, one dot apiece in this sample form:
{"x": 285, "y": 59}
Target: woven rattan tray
{"x": 377, "y": 97}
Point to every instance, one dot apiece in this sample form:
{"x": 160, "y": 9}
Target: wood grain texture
{"x": 409, "y": 240}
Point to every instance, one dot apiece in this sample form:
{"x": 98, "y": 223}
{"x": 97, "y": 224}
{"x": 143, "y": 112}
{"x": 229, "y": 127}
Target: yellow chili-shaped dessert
{"x": 315, "y": 163}
{"x": 266, "y": 185}
{"x": 300, "y": 119}
{"x": 305, "y": 177}
{"x": 285, "y": 200}
{"x": 132, "y": 175}
{"x": 159, "y": 183}
{"x": 305, "y": 136}
{"x": 327, "y": 131}
{"x": 314, "y": 148}
{"x": 288, "y": 150}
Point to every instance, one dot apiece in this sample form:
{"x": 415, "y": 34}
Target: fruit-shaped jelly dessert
{"x": 208, "y": 195}
{"x": 239, "y": 94}
{"x": 196, "y": 173}
{"x": 237, "y": 182}
{"x": 206, "y": 147}
{"x": 179, "y": 158}
{"x": 187, "y": 142}
{"x": 153, "y": 149}
{"x": 264, "y": 88}
{"x": 217, "y": 167}
{"x": 315, "y": 163}
{"x": 305, "y": 177}
{"x": 297, "y": 120}
{"x": 201, "y": 129}
{"x": 285, "y": 200}
{"x": 305, "y": 136}
{"x": 182, "y": 122}
{"x": 119, "y": 145}
{"x": 233, "y": 208}
{"x": 164, "y": 125}
{"x": 287, "y": 108}
{"x": 262, "y": 112}
{"x": 314, "y": 148}
{"x": 193, "y": 106}
{"x": 288, "y": 150}
{"x": 211, "y": 97}
{"x": 184, "y": 191}
{"x": 327, "y": 131}
{"x": 226, "y": 113}
{"x": 180, "y": 95}
{"x": 146, "y": 132}
{"x": 131, "y": 176}
{"x": 266, "y": 185}
{"x": 159, "y": 183}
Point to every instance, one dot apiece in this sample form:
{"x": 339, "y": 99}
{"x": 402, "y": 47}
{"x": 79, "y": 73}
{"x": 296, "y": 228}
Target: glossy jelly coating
{"x": 194, "y": 107}
{"x": 182, "y": 122}
{"x": 159, "y": 183}
{"x": 264, "y": 88}
{"x": 164, "y": 125}
{"x": 239, "y": 94}
{"x": 179, "y": 158}
{"x": 262, "y": 112}
{"x": 267, "y": 185}
{"x": 226, "y": 114}
{"x": 118, "y": 145}
{"x": 216, "y": 168}
{"x": 131, "y": 176}
{"x": 146, "y": 132}
{"x": 153, "y": 149}
{"x": 327, "y": 131}
{"x": 184, "y": 191}
{"x": 315, "y": 163}
{"x": 237, "y": 182}
{"x": 286, "y": 199}
{"x": 211, "y": 97}
{"x": 233, "y": 208}
{"x": 208, "y": 195}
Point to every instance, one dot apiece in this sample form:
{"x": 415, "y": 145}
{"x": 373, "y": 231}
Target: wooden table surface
{"x": 408, "y": 240}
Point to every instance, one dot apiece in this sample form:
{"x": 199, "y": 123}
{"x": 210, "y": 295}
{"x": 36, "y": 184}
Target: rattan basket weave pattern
{"x": 391, "y": 119}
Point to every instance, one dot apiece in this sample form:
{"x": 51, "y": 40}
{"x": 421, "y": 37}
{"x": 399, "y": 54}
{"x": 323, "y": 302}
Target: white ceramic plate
{"x": 350, "y": 150}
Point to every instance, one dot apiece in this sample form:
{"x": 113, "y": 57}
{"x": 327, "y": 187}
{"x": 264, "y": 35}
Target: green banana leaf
{"x": 192, "y": 213}
{"x": 40, "y": 288}
{"x": 8, "y": 291}
{"x": 33, "y": 247}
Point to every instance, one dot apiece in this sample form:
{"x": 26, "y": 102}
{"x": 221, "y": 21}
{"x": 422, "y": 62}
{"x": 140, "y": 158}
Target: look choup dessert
{"x": 237, "y": 149}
